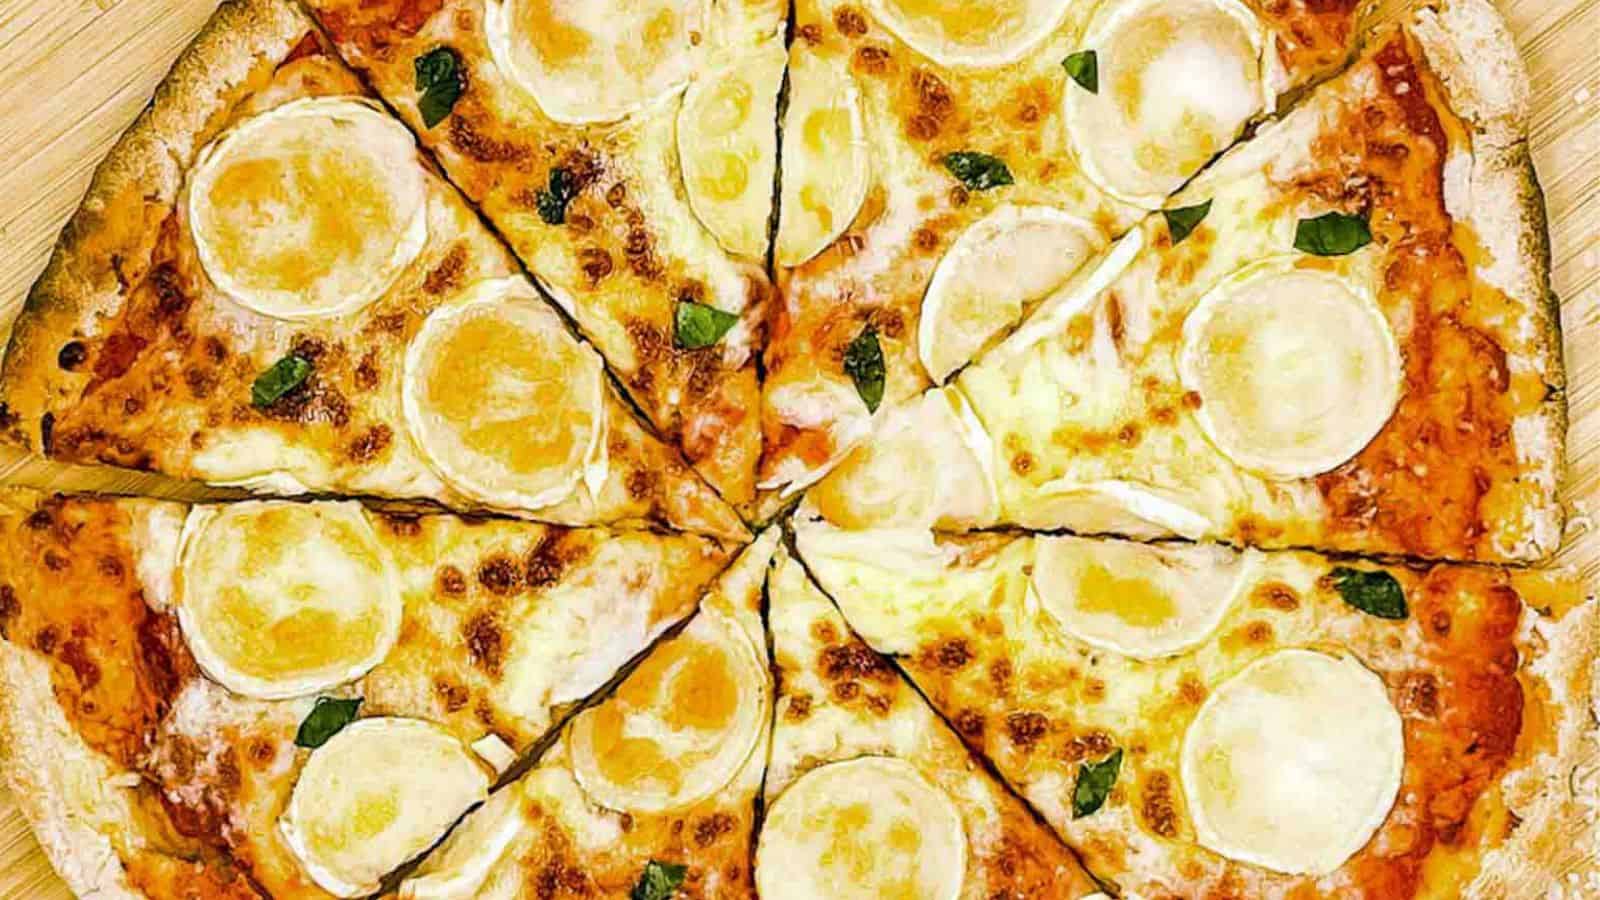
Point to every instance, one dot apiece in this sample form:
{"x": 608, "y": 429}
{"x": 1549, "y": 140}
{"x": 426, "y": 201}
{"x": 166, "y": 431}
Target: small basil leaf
{"x": 1183, "y": 221}
{"x": 284, "y": 376}
{"x": 863, "y": 362}
{"x": 1332, "y": 234}
{"x": 1374, "y": 593}
{"x": 698, "y": 325}
{"x": 440, "y": 81}
{"x": 1084, "y": 68}
{"x": 552, "y": 200}
{"x": 1094, "y": 784}
{"x": 978, "y": 171}
{"x": 659, "y": 881}
{"x": 327, "y": 718}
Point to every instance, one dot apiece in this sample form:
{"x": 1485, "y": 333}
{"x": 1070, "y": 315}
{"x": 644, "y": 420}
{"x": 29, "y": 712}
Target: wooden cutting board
{"x": 76, "y": 72}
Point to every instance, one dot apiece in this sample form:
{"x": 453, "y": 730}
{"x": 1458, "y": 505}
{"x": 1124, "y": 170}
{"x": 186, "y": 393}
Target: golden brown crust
{"x": 1470, "y": 50}
{"x": 109, "y": 241}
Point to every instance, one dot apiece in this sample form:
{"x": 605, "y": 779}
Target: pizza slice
{"x": 868, "y": 793}
{"x": 627, "y": 151}
{"x": 947, "y": 166}
{"x": 1340, "y": 336}
{"x": 268, "y": 285}
{"x": 650, "y": 794}
{"x": 310, "y": 693}
{"x": 1200, "y": 721}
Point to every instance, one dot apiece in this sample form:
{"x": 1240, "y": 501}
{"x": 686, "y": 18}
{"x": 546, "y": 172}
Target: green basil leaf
{"x": 327, "y": 718}
{"x": 440, "y": 80}
{"x": 659, "y": 881}
{"x": 552, "y": 200}
{"x": 1094, "y": 784}
{"x": 1084, "y": 68}
{"x": 863, "y": 362}
{"x": 978, "y": 171}
{"x": 1374, "y": 593}
{"x": 284, "y": 376}
{"x": 698, "y": 325}
{"x": 1183, "y": 221}
{"x": 1332, "y": 234}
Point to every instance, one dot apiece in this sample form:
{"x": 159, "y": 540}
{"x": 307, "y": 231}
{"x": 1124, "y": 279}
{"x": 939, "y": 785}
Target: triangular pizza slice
{"x": 311, "y": 693}
{"x": 627, "y": 150}
{"x": 1339, "y": 336}
{"x": 652, "y": 793}
{"x": 869, "y": 794}
{"x": 947, "y": 166}
{"x": 1200, "y": 721}
{"x": 268, "y": 285}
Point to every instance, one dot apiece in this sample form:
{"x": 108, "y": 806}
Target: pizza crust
{"x": 1467, "y": 45}
{"x": 110, "y": 240}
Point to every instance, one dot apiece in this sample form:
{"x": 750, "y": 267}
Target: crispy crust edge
{"x": 112, "y": 235}
{"x": 1469, "y": 47}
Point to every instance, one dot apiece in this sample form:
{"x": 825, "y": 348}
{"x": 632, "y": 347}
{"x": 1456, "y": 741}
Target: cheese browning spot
{"x": 870, "y": 828}
{"x": 680, "y": 726}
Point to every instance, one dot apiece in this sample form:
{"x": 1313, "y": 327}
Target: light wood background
{"x": 74, "y": 73}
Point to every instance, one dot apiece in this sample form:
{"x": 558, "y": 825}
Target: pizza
{"x": 724, "y": 449}
{"x": 655, "y": 786}
{"x": 167, "y": 668}
{"x": 1198, "y": 721}
{"x": 1338, "y": 336}
{"x": 869, "y": 794}
{"x": 269, "y": 286}
{"x": 627, "y": 151}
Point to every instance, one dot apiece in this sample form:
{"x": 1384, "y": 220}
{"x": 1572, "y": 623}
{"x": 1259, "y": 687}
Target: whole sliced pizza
{"x": 910, "y": 449}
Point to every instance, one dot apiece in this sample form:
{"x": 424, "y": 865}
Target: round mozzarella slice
{"x": 1296, "y": 369}
{"x": 311, "y": 209}
{"x": 285, "y": 599}
{"x": 825, "y": 166}
{"x": 508, "y": 407}
{"x": 1178, "y": 79}
{"x": 374, "y": 796}
{"x": 1138, "y": 600}
{"x": 680, "y": 726}
{"x": 1293, "y": 763}
{"x": 862, "y": 829}
{"x": 595, "y": 61}
{"x": 728, "y": 148}
{"x": 935, "y": 436}
{"x": 993, "y": 272}
{"x": 970, "y": 32}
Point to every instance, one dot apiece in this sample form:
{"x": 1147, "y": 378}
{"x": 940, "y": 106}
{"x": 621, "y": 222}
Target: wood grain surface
{"x": 76, "y": 72}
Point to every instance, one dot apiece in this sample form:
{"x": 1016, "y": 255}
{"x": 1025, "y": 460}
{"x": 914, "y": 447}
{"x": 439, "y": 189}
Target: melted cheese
{"x": 460, "y": 867}
{"x": 505, "y": 404}
{"x": 870, "y": 828}
{"x": 310, "y": 210}
{"x": 1293, "y": 763}
{"x": 282, "y": 600}
{"x": 825, "y": 162}
{"x": 994, "y": 272}
{"x": 1297, "y": 369}
{"x": 1177, "y": 82}
{"x": 728, "y": 147}
{"x": 596, "y": 61}
{"x": 374, "y": 796}
{"x": 970, "y": 32}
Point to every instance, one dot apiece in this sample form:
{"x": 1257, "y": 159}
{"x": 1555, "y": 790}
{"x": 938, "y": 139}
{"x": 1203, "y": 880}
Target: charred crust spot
{"x": 846, "y": 691}
{"x": 111, "y": 567}
{"x": 1000, "y": 675}
{"x": 500, "y": 575}
{"x": 466, "y": 138}
{"x": 934, "y": 105}
{"x": 639, "y": 248}
{"x": 1191, "y": 690}
{"x": 1089, "y": 745}
{"x": 201, "y": 383}
{"x": 1158, "y": 807}
{"x": 451, "y": 581}
{"x": 595, "y": 263}
{"x": 849, "y": 21}
{"x": 799, "y": 707}
{"x": 72, "y": 355}
{"x": 560, "y": 878}
{"x": 485, "y": 642}
{"x": 948, "y": 655}
{"x": 261, "y": 752}
{"x": 925, "y": 239}
{"x": 371, "y": 444}
{"x": 1419, "y": 695}
{"x": 879, "y": 704}
{"x": 75, "y": 655}
{"x": 1275, "y": 595}
{"x": 642, "y": 484}
{"x": 870, "y": 59}
{"x": 40, "y": 519}
{"x": 447, "y": 274}
{"x": 1259, "y": 633}
{"x": 117, "y": 355}
{"x": 9, "y": 608}
{"x": 811, "y": 33}
{"x": 710, "y": 829}
{"x": 367, "y": 371}
{"x": 1440, "y": 623}
{"x": 846, "y": 662}
{"x": 453, "y": 697}
{"x": 56, "y": 562}
{"x": 548, "y": 560}
{"x": 172, "y": 300}
{"x": 46, "y": 639}
{"x": 969, "y": 724}
{"x": 402, "y": 524}
{"x": 1025, "y": 729}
